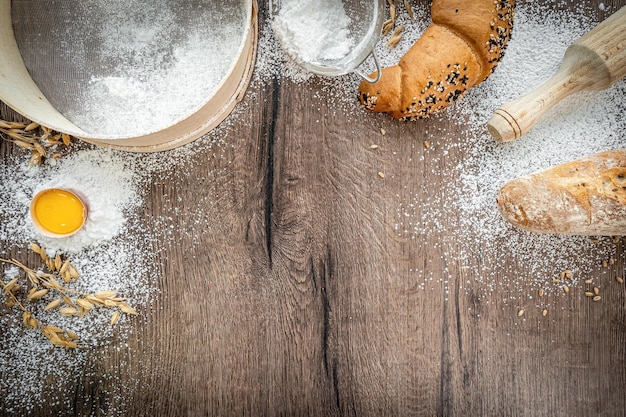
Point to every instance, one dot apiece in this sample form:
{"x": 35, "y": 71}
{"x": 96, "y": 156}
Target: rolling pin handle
{"x": 503, "y": 126}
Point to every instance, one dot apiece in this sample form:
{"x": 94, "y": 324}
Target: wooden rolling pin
{"x": 593, "y": 62}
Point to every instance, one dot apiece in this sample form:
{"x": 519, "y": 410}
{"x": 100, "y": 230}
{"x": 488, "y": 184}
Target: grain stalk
{"x": 42, "y": 142}
{"x": 69, "y": 302}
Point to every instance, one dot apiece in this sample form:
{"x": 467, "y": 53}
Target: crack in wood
{"x": 270, "y": 135}
{"x": 329, "y": 360}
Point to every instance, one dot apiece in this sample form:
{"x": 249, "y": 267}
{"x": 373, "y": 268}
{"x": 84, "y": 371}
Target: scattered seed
{"x": 588, "y": 294}
{"x": 67, "y": 300}
{"x": 125, "y": 308}
{"x": 541, "y": 293}
{"x": 596, "y": 290}
{"x": 381, "y": 175}
{"x": 605, "y": 264}
{"x": 68, "y": 311}
{"x": 115, "y": 317}
{"x": 383, "y": 131}
{"x": 394, "y": 40}
{"x": 588, "y": 281}
{"x": 565, "y": 289}
{"x": 37, "y": 294}
{"x": 544, "y": 312}
{"x": 31, "y": 126}
{"x": 63, "y": 268}
{"x": 374, "y": 147}
{"x": 66, "y": 139}
{"x": 58, "y": 263}
{"x": 392, "y": 10}
{"x": 11, "y": 285}
{"x": 619, "y": 279}
{"x": 29, "y": 321}
{"x": 110, "y": 303}
{"x": 83, "y": 303}
{"x": 387, "y": 26}
{"x": 73, "y": 272}
{"x": 103, "y": 295}
{"x": 597, "y": 298}
{"x": 50, "y": 264}
{"x": 66, "y": 276}
{"x": 408, "y": 8}
{"x": 52, "y": 304}
{"x": 611, "y": 261}
{"x": 71, "y": 335}
{"x": 520, "y": 313}
{"x": 22, "y": 144}
{"x": 426, "y": 144}
{"x": 568, "y": 274}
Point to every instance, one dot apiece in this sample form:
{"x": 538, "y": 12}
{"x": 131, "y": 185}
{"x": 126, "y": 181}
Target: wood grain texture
{"x": 302, "y": 300}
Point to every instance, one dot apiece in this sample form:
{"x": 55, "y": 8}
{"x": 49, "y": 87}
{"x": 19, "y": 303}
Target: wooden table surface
{"x": 302, "y": 299}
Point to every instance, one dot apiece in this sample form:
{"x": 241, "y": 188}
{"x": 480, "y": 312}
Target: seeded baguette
{"x": 583, "y": 197}
{"x": 459, "y": 50}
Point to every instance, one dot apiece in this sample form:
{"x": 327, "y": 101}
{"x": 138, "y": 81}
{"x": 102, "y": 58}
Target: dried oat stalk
{"x": 390, "y": 23}
{"x": 396, "y": 36}
{"x": 409, "y": 10}
{"x": 46, "y": 284}
{"x": 42, "y": 142}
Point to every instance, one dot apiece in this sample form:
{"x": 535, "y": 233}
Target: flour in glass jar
{"x": 314, "y": 30}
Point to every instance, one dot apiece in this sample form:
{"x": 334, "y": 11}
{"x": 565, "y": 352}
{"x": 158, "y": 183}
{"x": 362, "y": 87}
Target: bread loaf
{"x": 460, "y": 49}
{"x": 583, "y": 197}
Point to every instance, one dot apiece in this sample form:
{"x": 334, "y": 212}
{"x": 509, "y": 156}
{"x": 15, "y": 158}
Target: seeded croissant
{"x": 459, "y": 50}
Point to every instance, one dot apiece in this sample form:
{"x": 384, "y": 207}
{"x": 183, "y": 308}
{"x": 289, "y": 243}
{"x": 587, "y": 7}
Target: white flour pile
{"x": 102, "y": 179}
{"x": 314, "y": 30}
{"x": 160, "y": 61}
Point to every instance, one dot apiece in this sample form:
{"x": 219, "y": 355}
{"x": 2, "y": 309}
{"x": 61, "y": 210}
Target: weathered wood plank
{"x": 301, "y": 298}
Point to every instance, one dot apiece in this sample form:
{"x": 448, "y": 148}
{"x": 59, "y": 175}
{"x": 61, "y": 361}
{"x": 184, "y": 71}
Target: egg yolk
{"x": 59, "y": 211}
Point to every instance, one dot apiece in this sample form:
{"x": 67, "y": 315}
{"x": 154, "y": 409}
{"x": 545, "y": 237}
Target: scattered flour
{"x": 582, "y": 125}
{"x": 117, "y": 245}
